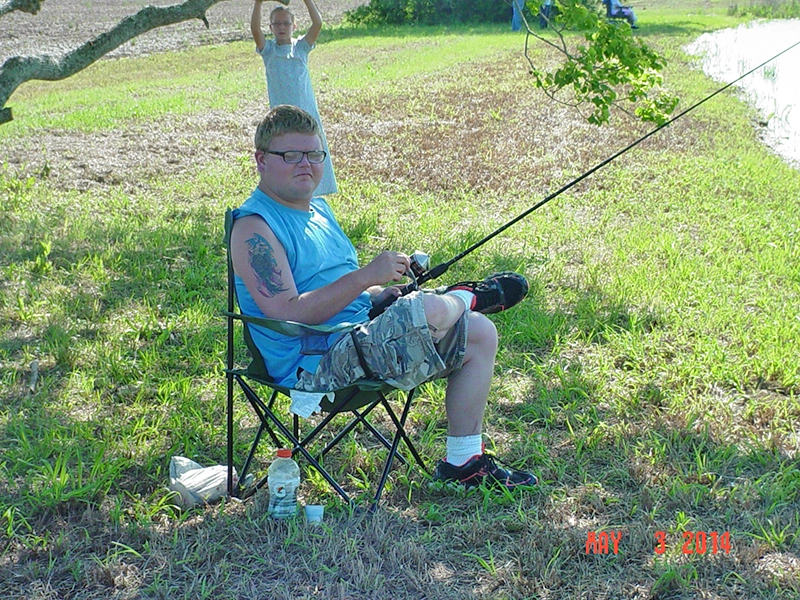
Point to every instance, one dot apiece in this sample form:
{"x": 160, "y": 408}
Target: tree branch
{"x": 611, "y": 66}
{"x": 18, "y": 69}
{"x": 28, "y": 6}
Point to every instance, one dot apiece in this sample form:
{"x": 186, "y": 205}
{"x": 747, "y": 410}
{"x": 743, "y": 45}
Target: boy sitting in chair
{"x": 293, "y": 262}
{"x": 615, "y": 10}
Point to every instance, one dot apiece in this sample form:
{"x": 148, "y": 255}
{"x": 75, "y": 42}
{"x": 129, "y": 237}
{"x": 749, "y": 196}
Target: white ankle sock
{"x": 468, "y": 298}
{"x": 461, "y": 448}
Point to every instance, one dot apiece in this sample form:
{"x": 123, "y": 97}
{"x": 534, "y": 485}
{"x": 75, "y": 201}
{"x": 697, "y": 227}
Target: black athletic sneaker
{"x": 479, "y": 469}
{"x": 499, "y": 291}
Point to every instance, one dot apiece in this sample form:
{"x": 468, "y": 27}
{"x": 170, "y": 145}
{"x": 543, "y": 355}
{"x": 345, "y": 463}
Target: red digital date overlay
{"x": 694, "y": 542}
{"x": 603, "y": 541}
{"x": 697, "y": 542}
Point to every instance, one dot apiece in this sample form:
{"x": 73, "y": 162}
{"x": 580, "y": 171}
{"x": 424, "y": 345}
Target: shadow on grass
{"x": 126, "y": 326}
{"x": 676, "y": 29}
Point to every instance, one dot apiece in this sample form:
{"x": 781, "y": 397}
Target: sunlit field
{"x": 650, "y": 379}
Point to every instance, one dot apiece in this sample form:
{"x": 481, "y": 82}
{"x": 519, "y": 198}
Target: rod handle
{"x": 377, "y": 309}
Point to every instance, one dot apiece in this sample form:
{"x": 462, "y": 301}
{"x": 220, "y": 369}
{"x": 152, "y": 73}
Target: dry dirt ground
{"x": 61, "y": 25}
{"x": 77, "y": 160}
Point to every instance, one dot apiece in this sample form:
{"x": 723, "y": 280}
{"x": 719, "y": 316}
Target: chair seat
{"x": 364, "y": 387}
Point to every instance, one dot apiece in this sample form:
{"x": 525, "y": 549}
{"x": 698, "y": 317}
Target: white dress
{"x": 289, "y": 82}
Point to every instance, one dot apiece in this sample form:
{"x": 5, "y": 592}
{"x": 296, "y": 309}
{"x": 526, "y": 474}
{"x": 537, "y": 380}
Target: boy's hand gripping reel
{"x": 419, "y": 265}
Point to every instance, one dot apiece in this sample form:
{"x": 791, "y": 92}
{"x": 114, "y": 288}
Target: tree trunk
{"x": 18, "y": 69}
{"x": 28, "y": 6}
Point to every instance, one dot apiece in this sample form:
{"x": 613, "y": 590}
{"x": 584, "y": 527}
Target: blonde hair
{"x": 284, "y": 119}
{"x": 281, "y": 9}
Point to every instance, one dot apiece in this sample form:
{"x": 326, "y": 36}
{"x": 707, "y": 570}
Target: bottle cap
{"x": 284, "y": 453}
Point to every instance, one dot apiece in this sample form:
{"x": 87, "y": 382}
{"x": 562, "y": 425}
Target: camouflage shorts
{"x": 397, "y": 347}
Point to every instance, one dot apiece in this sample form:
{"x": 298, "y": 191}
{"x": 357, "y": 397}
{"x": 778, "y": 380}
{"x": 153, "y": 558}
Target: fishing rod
{"x": 441, "y": 268}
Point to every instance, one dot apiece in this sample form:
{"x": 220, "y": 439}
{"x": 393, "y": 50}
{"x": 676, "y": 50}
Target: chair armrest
{"x": 292, "y": 328}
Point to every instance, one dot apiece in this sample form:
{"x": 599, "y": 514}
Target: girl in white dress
{"x": 286, "y": 64}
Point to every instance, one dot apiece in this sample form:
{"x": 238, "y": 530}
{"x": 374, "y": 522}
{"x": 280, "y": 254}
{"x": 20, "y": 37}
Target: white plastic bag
{"x": 197, "y": 484}
{"x": 305, "y": 404}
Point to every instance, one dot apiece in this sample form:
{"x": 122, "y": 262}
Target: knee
{"x": 442, "y": 312}
{"x": 481, "y": 334}
{"x": 435, "y": 308}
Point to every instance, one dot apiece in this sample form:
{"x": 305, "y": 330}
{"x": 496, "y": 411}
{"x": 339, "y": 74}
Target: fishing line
{"x": 443, "y": 267}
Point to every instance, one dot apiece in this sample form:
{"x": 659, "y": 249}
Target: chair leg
{"x": 334, "y": 412}
{"x": 268, "y": 415}
{"x": 250, "y": 455}
{"x": 268, "y": 420}
{"x": 401, "y": 430}
{"x": 260, "y": 409}
{"x": 353, "y": 422}
{"x": 400, "y": 434}
{"x": 229, "y": 423}
{"x": 360, "y": 417}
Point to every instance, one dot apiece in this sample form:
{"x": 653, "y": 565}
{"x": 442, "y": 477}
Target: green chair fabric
{"x": 284, "y": 429}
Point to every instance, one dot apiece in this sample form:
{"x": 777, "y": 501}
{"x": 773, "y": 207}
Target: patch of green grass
{"x": 418, "y": 51}
{"x": 121, "y": 92}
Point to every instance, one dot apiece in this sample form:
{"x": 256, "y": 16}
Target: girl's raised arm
{"x": 316, "y": 23}
{"x": 255, "y": 26}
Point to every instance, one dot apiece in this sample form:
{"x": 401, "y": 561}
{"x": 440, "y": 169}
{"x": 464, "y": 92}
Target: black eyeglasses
{"x": 295, "y": 156}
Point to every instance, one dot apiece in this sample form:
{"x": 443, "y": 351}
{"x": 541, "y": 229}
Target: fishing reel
{"x": 419, "y": 265}
{"x": 420, "y": 262}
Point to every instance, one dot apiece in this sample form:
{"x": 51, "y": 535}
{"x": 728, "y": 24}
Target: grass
{"x": 650, "y": 379}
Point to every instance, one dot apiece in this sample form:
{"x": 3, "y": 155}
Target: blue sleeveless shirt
{"x": 319, "y": 253}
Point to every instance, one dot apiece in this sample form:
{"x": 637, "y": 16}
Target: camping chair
{"x": 611, "y": 15}
{"x": 284, "y": 429}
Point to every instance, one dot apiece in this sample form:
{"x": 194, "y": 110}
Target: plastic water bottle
{"x": 283, "y": 479}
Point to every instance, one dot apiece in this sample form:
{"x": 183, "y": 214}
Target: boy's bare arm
{"x": 316, "y": 23}
{"x": 260, "y": 260}
{"x": 255, "y": 26}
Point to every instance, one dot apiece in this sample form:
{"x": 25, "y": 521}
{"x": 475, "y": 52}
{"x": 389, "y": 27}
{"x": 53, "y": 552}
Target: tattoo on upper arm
{"x": 265, "y": 267}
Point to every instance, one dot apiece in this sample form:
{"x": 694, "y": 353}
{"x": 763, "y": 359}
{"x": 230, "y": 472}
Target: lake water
{"x": 774, "y": 88}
